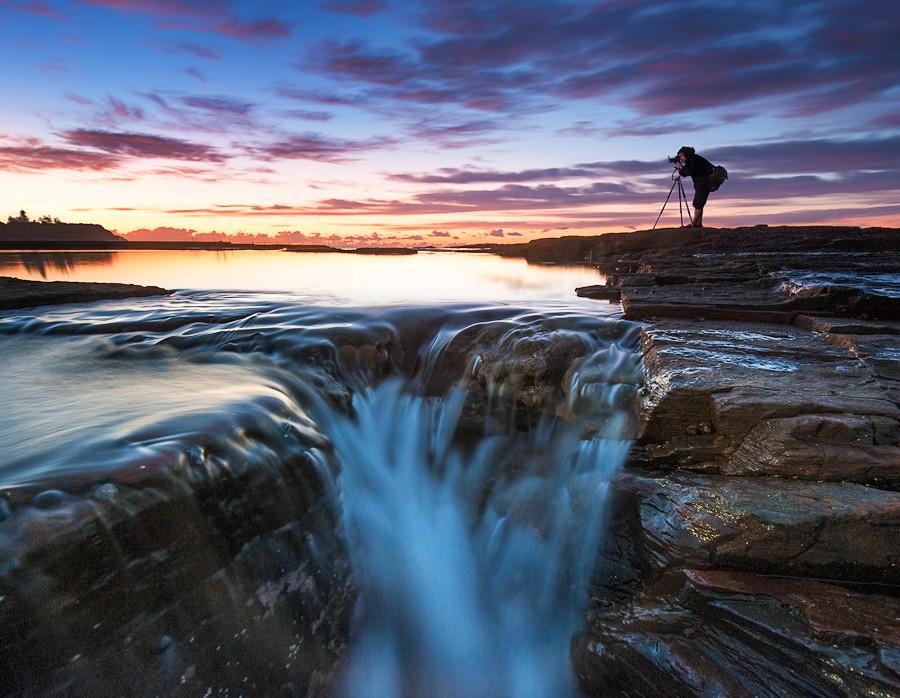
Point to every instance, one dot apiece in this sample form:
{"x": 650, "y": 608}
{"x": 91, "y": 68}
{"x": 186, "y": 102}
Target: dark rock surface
{"x": 18, "y": 293}
{"x": 763, "y": 494}
{"x": 194, "y": 578}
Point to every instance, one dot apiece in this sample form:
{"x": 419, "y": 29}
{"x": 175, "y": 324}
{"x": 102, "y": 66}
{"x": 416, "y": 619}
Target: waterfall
{"x": 251, "y": 494}
{"x": 473, "y": 556}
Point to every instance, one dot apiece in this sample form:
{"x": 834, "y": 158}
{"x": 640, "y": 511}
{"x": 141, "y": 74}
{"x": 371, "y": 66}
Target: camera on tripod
{"x": 674, "y": 160}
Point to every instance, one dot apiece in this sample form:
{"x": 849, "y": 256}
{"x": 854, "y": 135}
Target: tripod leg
{"x": 683, "y": 195}
{"x": 678, "y": 182}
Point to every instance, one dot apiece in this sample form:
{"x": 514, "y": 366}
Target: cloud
{"x": 361, "y": 8}
{"x": 307, "y": 115}
{"x": 440, "y": 234}
{"x": 58, "y": 65}
{"x": 268, "y": 28}
{"x": 121, "y": 110}
{"x": 159, "y": 234}
{"x": 36, "y": 7}
{"x": 78, "y": 99}
{"x": 793, "y": 60}
{"x": 142, "y": 145}
{"x": 196, "y": 73}
{"x": 813, "y": 156}
{"x": 210, "y": 16}
{"x": 28, "y": 158}
{"x": 450, "y": 175}
{"x": 496, "y": 233}
{"x": 219, "y": 105}
{"x": 317, "y": 147}
{"x": 195, "y": 50}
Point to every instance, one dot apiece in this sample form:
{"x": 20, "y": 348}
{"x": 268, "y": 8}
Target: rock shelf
{"x": 18, "y": 293}
{"x": 763, "y": 494}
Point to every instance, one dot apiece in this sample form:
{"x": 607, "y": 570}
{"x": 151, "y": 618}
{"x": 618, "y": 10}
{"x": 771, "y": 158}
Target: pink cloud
{"x": 29, "y": 157}
{"x": 142, "y": 145}
{"x": 122, "y": 110}
{"x": 78, "y": 99}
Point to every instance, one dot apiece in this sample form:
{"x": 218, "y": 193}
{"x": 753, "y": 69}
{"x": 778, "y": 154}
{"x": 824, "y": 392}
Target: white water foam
{"x": 472, "y": 564}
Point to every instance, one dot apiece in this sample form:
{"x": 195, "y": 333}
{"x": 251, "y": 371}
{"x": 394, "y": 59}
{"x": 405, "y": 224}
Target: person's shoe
{"x": 688, "y": 225}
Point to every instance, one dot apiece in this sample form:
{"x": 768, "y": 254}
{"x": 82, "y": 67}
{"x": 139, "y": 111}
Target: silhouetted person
{"x": 698, "y": 168}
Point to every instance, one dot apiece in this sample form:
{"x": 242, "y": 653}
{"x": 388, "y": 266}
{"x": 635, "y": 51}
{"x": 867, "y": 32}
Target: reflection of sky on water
{"x": 50, "y": 264}
{"x": 345, "y": 278}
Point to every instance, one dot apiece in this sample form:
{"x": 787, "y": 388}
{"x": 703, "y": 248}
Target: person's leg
{"x": 701, "y": 194}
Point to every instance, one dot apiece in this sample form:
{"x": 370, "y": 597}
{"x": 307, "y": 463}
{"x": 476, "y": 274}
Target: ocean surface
{"x": 332, "y": 278}
{"x": 466, "y": 414}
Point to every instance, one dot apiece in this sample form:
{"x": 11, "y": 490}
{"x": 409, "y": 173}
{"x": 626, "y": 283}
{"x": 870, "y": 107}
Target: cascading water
{"x": 473, "y": 560}
{"x": 464, "y": 455}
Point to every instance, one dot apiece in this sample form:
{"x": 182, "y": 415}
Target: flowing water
{"x": 401, "y": 500}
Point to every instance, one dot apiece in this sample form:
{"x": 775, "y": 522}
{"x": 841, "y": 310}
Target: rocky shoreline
{"x": 18, "y": 293}
{"x": 761, "y": 506}
{"x": 754, "y": 549}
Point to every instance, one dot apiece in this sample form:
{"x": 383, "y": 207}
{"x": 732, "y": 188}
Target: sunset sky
{"x": 444, "y": 121}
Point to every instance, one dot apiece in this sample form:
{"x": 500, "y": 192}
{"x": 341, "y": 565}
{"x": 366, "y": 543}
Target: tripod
{"x": 676, "y": 182}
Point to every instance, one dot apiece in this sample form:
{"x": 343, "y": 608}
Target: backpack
{"x": 716, "y": 178}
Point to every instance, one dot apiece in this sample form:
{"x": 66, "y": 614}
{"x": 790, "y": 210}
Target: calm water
{"x": 328, "y": 277}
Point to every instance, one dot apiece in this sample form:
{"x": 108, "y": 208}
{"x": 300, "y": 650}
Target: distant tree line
{"x": 23, "y": 218}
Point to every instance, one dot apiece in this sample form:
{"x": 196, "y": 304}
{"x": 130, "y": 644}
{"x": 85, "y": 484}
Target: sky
{"x": 444, "y": 122}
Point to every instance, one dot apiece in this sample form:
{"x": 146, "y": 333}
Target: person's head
{"x": 684, "y": 152}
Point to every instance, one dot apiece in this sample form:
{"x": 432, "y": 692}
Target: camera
{"x": 674, "y": 160}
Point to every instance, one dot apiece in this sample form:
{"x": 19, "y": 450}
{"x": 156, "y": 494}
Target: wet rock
{"x": 599, "y": 292}
{"x": 822, "y": 447}
{"x": 710, "y": 385}
{"x": 744, "y": 635}
{"x": 48, "y": 499}
{"x": 755, "y": 274}
{"x": 772, "y": 526}
{"x": 772, "y": 399}
{"x": 17, "y": 293}
{"x": 182, "y": 580}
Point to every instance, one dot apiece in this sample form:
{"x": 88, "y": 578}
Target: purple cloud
{"x": 142, "y": 145}
{"x": 361, "y": 8}
{"x": 196, "y": 73}
{"x": 317, "y": 147}
{"x": 495, "y": 57}
{"x": 450, "y": 175}
{"x": 219, "y": 105}
{"x": 123, "y": 111}
{"x": 196, "y": 50}
{"x": 211, "y": 16}
{"x": 268, "y": 28}
{"x": 78, "y": 99}
{"x": 31, "y": 157}
{"x": 308, "y": 115}
{"x": 35, "y": 7}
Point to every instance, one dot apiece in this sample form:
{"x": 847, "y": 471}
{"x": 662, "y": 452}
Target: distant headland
{"x": 20, "y": 229}
{"x": 46, "y": 233}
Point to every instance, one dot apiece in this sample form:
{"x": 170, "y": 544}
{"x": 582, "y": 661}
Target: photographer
{"x": 698, "y": 168}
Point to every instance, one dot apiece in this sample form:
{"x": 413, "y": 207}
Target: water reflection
{"x": 48, "y": 264}
{"x": 339, "y": 278}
